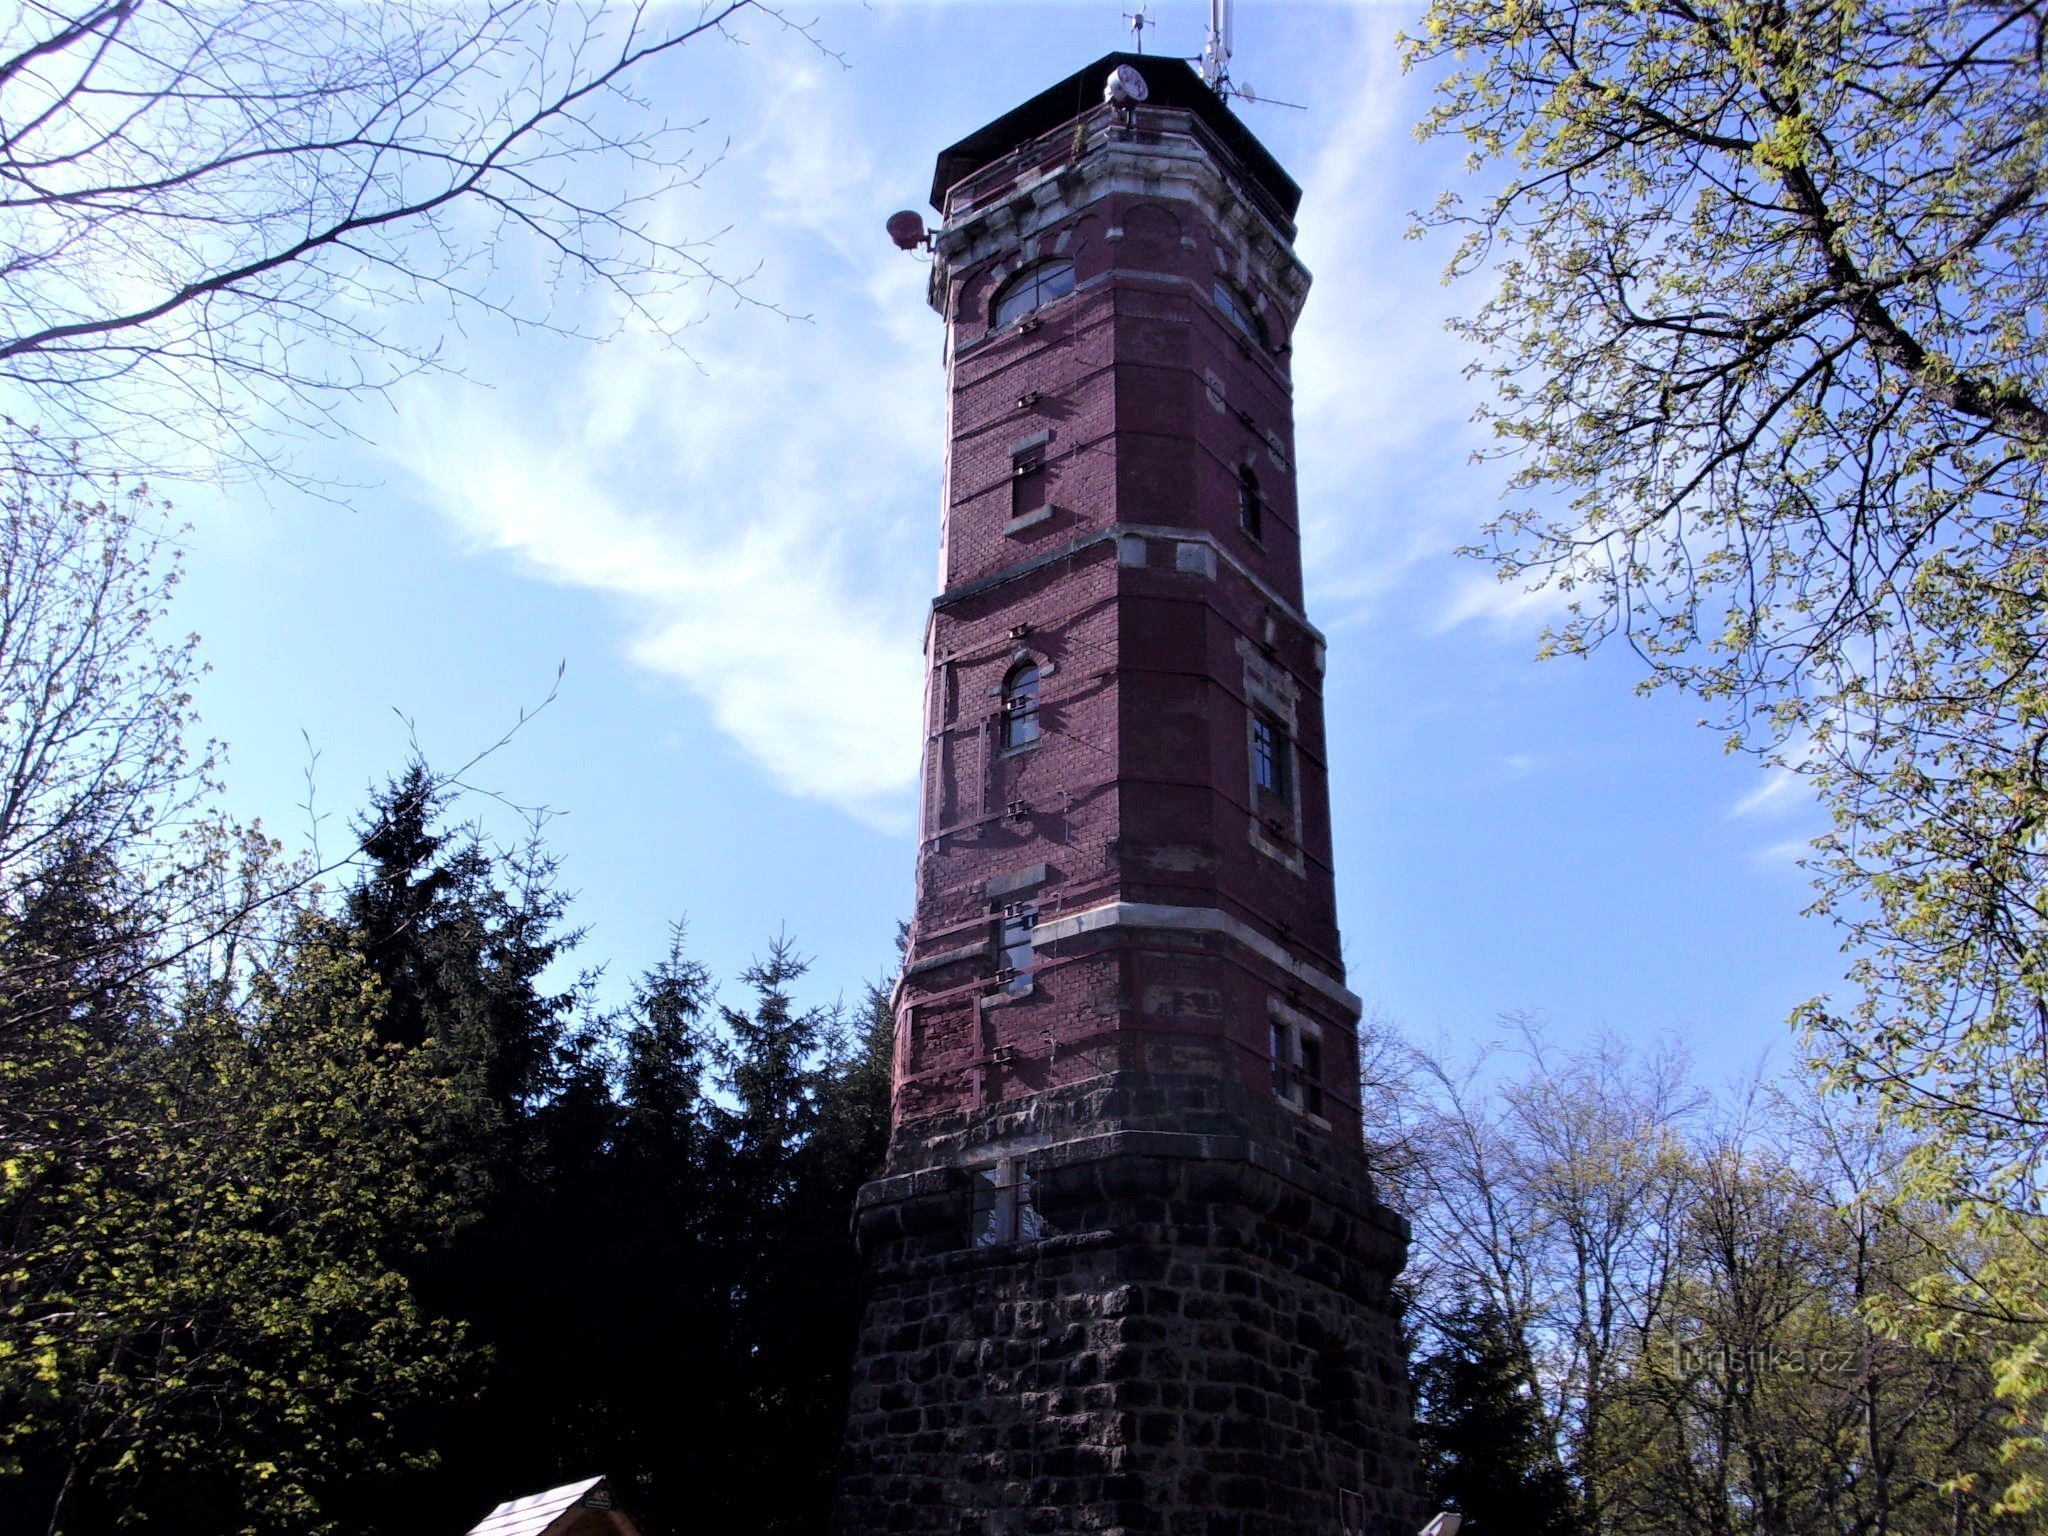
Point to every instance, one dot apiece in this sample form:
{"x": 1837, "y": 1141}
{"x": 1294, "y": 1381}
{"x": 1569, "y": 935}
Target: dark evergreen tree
{"x": 1485, "y": 1452}
{"x": 789, "y": 1132}
{"x": 462, "y": 954}
{"x": 463, "y": 938}
{"x": 854, "y": 1123}
{"x": 820, "y": 1263}
{"x": 769, "y": 1071}
{"x": 666, "y": 1055}
{"x": 740, "y": 1151}
{"x": 674, "y": 1369}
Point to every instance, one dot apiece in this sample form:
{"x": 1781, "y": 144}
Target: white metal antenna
{"x": 1139, "y": 22}
{"x": 1215, "y": 62}
{"x": 1216, "y": 56}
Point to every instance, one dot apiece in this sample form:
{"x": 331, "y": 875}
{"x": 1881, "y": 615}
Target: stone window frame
{"x": 1018, "y": 711}
{"x": 1235, "y": 268}
{"x": 1251, "y": 505}
{"x": 1276, "y": 822}
{"x": 1030, "y": 483}
{"x": 1011, "y": 896}
{"x": 1015, "y": 924}
{"x": 1299, "y": 1063}
{"x": 1000, "y": 1211}
{"x": 1272, "y": 756}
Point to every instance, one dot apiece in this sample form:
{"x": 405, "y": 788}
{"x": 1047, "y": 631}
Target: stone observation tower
{"x": 1129, "y": 1270}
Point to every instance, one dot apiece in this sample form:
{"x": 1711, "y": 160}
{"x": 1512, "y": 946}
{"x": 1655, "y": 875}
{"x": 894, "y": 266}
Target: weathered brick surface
{"x": 1193, "y": 1335}
{"x": 1142, "y": 401}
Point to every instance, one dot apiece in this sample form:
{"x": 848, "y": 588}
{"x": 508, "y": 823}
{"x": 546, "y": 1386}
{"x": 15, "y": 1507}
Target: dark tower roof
{"x": 1172, "y": 83}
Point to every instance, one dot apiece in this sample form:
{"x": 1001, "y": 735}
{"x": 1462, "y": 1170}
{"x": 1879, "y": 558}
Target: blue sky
{"x": 732, "y": 550}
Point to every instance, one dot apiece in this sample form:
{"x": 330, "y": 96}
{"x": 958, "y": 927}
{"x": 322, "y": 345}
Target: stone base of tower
{"x": 1189, "y": 1333}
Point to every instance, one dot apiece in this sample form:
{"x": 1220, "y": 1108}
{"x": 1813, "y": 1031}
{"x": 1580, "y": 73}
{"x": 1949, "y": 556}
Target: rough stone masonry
{"x": 1129, "y": 1270}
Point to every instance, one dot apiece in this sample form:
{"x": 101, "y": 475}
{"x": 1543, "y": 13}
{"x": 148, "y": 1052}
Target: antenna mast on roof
{"x": 1216, "y": 56}
{"x": 1139, "y": 22}
{"x": 1215, "y": 62}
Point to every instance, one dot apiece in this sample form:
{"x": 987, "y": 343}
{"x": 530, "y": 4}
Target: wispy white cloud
{"x": 755, "y": 507}
{"x": 1781, "y": 855}
{"x": 1508, "y": 606}
{"x": 1784, "y": 788}
{"x": 1383, "y": 408}
{"x": 1781, "y": 790}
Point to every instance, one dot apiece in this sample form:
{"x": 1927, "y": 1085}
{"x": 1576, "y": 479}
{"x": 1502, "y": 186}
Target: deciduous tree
{"x": 1664, "y": 1308}
{"x": 211, "y": 209}
{"x": 210, "y": 1312}
{"x": 1767, "y": 337}
{"x": 95, "y": 697}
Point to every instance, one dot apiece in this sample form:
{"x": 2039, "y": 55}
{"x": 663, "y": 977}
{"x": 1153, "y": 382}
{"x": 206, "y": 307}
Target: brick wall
{"x": 1159, "y": 625}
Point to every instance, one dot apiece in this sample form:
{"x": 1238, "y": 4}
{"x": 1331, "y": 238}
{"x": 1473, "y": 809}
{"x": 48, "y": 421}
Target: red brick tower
{"x": 1130, "y": 1273}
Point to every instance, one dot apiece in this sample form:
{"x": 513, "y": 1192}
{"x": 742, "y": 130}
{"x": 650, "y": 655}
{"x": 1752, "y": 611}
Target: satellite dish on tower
{"x": 907, "y": 230}
{"x": 1125, "y": 84}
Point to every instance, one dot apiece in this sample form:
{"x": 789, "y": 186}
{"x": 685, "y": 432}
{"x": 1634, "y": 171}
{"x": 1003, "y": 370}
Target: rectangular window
{"x": 1298, "y": 1065}
{"x": 1013, "y": 941}
{"x": 1251, "y": 509}
{"x": 1003, "y": 1212}
{"x": 1027, "y": 483}
{"x": 1270, "y": 756}
{"x": 1310, "y": 1074}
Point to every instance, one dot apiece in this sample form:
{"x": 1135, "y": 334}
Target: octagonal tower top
{"x": 1171, "y": 83}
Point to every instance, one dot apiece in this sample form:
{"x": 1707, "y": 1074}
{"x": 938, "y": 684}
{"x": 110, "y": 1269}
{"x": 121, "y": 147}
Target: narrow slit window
{"x": 1251, "y": 507}
{"x": 1309, "y": 1072}
{"x": 1020, "y": 706}
{"x": 1271, "y": 753}
{"x": 1027, "y": 483}
{"x": 1014, "y": 940}
{"x": 1032, "y": 290}
{"x": 991, "y": 1200}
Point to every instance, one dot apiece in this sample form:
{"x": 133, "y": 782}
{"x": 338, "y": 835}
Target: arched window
{"x": 1030, "y": 289}
{"x": 1020, "y": 706}
{"x": 1239, "y": 311}
{"x": 1251, "y": 510}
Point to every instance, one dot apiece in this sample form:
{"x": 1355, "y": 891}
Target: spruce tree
{"x": 463, "y": 937}
{"x": 673, "y": 1365}
{"x": 1484, "y": 1449}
